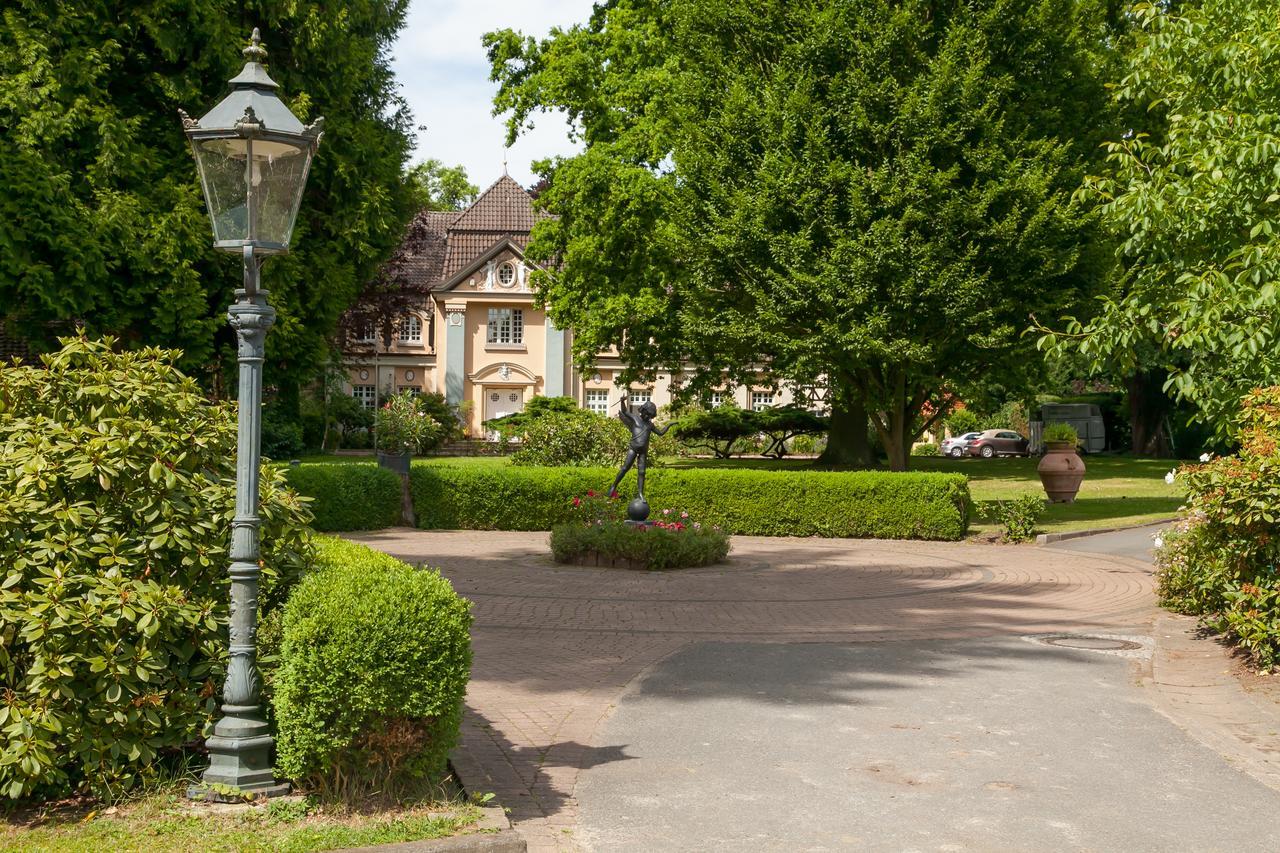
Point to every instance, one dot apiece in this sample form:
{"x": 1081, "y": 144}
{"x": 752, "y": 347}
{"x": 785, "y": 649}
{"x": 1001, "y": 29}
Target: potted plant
{"x": 403, "y": 429}
{"x": 1061, "y": 470}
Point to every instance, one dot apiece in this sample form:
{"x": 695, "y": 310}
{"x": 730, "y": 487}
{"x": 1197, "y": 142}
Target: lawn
{"x": 1117, "y": 491}
{"x": 166, "y": 822}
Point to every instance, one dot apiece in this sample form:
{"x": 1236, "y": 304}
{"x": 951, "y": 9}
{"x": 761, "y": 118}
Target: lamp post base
{"x": 239, "y": 763}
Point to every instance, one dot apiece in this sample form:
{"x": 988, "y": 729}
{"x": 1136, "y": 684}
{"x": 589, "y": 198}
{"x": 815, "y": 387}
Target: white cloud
{"x": 442, "y": 68}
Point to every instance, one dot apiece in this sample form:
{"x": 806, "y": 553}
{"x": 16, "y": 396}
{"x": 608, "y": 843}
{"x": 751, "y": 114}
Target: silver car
{"x": 955, "y": 446}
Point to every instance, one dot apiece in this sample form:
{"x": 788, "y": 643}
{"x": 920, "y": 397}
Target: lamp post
{"x": 253, "y": 155}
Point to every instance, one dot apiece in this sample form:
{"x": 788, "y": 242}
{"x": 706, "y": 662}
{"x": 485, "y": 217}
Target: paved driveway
{"x": 824, "y": 694}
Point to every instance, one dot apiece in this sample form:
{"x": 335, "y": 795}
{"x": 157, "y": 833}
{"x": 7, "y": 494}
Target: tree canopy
{"x": 102, "y": 221}
{"x": 871, "y": 194}
{"x": 1192, "y": 191}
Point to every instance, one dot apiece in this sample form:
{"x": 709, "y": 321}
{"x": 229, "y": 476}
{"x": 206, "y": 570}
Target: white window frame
{"x": 507, "y": 267}
{"x": 596, "y": 400}
{"x": 506, "y": 326}
{"x": 367, "y": 334}
{"x": 761, "y": 400}
{"x": 640, "y": 395}
{"x": 411, "y": 330}
{"x": 717, "y": 399}
{"x": 366, "y": 394}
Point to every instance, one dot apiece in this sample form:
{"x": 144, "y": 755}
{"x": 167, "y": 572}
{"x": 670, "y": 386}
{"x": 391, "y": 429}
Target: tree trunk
{"x": 1148, "y": 407}
{"x": 847, "y": 445}
{"x": 896, "y": 442}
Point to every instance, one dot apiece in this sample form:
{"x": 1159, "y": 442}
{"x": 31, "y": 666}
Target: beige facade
{"x": 477, "y": 337}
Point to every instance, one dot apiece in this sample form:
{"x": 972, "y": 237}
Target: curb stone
{"x": 1047, "y": 538}
{"x": 492, "y": 834}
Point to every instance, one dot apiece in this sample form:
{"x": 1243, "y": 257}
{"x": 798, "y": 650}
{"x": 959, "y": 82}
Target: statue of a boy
{"x": 640, "y": 422}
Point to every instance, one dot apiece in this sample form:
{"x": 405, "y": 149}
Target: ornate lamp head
{"x": 253, "y": 155}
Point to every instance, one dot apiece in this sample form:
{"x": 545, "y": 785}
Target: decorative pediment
{"x": 504, "y": 373}
{"x": 488, "y": 267}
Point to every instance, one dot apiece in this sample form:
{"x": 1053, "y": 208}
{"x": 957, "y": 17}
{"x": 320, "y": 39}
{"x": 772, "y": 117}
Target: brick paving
{"x": 555, "y": 646}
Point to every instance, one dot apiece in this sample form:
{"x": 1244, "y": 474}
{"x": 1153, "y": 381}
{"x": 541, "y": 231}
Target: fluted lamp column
{"x": 253, "y": 156}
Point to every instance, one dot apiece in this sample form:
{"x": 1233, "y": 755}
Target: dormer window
{"x": 507, "y": 274}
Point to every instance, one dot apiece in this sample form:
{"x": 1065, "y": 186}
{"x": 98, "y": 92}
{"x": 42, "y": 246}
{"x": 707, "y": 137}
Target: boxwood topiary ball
{"x": 638, "y": 509}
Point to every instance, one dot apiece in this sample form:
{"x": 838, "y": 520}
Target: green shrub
{"x": 866, "y": 504}
{"x": 924, "y": 449}
{"x": 1017, "y": 518}
{"x": 578, "y": 437}
{"x": 116, "y": 500}
{"x": 1061, "y": 433}
{"x": 348, "y": 496}
{"x": 1220, "y": 561}
{"x": 653, "y": 548}
{"x": 961, "y": 421}
{"x": 403, "y": 426}
{"x": 374, "y": 665}
{"x": 509, "y": 426}
{"x": 281, "y": 435}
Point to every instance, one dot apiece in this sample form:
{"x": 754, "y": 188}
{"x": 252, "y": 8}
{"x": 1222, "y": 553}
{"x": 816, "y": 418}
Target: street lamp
{"x": 253, "y": 156}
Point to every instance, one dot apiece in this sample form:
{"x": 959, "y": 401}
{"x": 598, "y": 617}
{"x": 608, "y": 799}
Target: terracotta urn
{"x": 1061, "y": 471}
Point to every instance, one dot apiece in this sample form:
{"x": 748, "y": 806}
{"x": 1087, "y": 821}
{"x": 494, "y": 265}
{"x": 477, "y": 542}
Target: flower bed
{"x": 598, "y": 537}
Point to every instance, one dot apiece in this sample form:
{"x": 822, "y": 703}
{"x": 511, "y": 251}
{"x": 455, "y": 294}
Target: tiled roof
{"x": 425, "y": 248}
{"x": 503, "y": 210}
{"x": 504, "y": 207}
{"x": 466, "y": 246}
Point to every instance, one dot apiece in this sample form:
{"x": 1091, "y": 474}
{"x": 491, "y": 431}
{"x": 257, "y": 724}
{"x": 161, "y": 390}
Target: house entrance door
{"x": 502, "y": 401}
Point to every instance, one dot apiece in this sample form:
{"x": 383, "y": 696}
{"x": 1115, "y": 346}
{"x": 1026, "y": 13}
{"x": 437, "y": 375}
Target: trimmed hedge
{"x": 349, "y": 497}
{"x": 855, "y": 504}
{"x": 374, "y": 665}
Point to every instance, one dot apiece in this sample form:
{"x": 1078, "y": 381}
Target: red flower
{"x": 590, "y": 493}
{"x": 576, "y": 502}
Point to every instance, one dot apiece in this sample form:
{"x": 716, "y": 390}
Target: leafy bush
{"x": 868, "y": 504}
{"x": 577, "y": 437}
{"x": 281, "y": 435}
{"x": 961, "y": 421}
{"x": 352, "y": 418}
{"x": 450, "y": 418}
{"x": 924, "y": 449}
{"x": 349, "y": 497}
{"x": 374, "y": 665}
{"x": 1061, "y": 433}
{"x": 1220, "y": 561}
{"x": 510, "y": 426}
{"x": 116, "y": 500}
{"x": 403, "y": 426}
{"x": 1017, "y": 518}
{"x": 781, "y": 424}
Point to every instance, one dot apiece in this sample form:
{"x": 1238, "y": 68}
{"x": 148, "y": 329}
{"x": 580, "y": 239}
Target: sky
{"x": 444, "y": 75}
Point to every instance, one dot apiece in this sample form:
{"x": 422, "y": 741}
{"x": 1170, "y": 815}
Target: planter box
{"x": 398, "y": 462}
{"x": 595, "y": 558}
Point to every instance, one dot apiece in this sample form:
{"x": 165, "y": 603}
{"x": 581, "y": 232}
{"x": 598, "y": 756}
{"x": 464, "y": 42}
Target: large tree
{"x": 101, "y": 218}
{"x": 1192, "y": 190}
{"x": 872, "y": 194}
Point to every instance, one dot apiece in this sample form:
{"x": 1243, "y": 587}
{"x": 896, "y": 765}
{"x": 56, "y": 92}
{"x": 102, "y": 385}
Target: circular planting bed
{"x": 600, "y": 538}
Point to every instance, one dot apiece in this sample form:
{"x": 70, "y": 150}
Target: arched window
{"x": 411, "y": 330}
{"x": 507, "y": 274}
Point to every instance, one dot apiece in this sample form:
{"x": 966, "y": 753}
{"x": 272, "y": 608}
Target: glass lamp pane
{"x": 279, "y": 174}
{"x": 221, "y": 164}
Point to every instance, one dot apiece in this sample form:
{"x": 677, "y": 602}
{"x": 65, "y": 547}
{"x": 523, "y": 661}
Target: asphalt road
{"x": 974, "y": 745}
{"x": 1135, "y": 543}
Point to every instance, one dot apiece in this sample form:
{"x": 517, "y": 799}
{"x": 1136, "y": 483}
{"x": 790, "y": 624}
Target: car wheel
{"x": 988, "y": 451}
{"x": 957, "y": 452}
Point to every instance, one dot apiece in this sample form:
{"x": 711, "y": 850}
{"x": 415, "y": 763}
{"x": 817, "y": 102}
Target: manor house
{"x": 474, "y": 333}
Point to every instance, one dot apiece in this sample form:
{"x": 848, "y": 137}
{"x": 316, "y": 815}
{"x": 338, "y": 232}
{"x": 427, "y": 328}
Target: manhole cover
{"x": 1097, "y": 644}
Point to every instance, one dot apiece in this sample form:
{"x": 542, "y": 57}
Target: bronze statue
{"x": 640, "y": 422}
